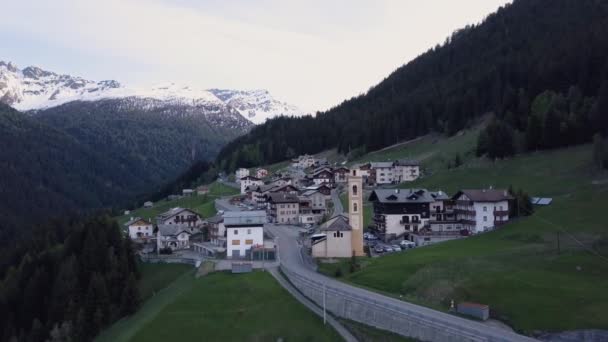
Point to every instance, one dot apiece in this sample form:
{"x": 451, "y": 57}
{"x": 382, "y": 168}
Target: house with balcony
{"x": 217, "y": 230}
{"x": 240, "y": 173}
{"x": 140, "y": 229}
{"x": 341, "y": 175}
{"x": 406, "y": 171}
{"x": 400, "y": 212}
{"x": 186, "y": 219}
{"x": 480, "y": 210}
{"x": 442, "y": 224}
{"x": 284, "y": 208}
{"x": 248, "y": 181}
{"x": 382, "y": 172}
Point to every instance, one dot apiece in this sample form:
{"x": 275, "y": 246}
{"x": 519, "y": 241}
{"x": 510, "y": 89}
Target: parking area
{"x": 379, "y": 248}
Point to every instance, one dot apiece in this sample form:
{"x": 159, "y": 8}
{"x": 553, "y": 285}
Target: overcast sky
{"x": 312, "y": 53}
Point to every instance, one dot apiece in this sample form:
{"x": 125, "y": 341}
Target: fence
{"x": 398, "y": 319}
{"x": 169, "y": 259}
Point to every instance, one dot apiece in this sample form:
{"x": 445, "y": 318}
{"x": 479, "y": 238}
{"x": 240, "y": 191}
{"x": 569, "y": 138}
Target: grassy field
{"x": 223, "y": 306}
{"x": 155, "y": 277}
{"x": 365, "y": 333}
{"x": 516, "y": 269}
{"x": 204, "y": 205}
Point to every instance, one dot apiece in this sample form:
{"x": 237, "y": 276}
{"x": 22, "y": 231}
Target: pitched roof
{"x": 376, "y": 165}
{"x": 401, "y": 196}
{"x": 336, "y": 223}
{"x": 135, "y": 220}
{"x": 283, "y": 197}
{"x": 439, "y": 195}
{"x": 250, "y": 178}
{"x": 484, "y": 195}
{"x": 174, "y": 211}
{"x": 171, "y": 229}
{"x": 239, "y": 218}
{"x": 216, "y": 219}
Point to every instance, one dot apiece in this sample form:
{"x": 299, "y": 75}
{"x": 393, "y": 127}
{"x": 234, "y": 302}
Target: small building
{"x": 148, "y": 204}
{"x": 172, "y": 236}
{"x": 479, "y": 311}
{"x": 324, "y": 176}
{"x": 217, "y": 230}
{"x": 244, "y": 231}
{"x": 284, "y": 207}
{"x": 304, "y": 161}
{"x": 240, "y": 173}
{"x": 481, "y": 210}
{"x": 202, "y": 190}
{"x": 261, "y": 173}
{"x": 318, "y": 201}
{"x": 341, "y": 175}
{"x": 187, "y": 192}
{"x": 337, "y": 240}
{"x": 406, "y": 171}
{"x": 140, "y": 229}
{"x": 249, "y": 181}
{"x": 383, "y": 172}
{"x": 185, "y": 218}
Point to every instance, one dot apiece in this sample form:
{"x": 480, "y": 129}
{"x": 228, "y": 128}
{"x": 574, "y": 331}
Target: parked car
{"x": 378, "y": 249}
{"x": 388, "y": 249}
{"x": 308, "y": 226}
{"x": 407, "y": 244}
{"x": 396, "y": 248}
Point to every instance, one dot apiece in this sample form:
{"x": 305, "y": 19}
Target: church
{"x": 342, "y": 235}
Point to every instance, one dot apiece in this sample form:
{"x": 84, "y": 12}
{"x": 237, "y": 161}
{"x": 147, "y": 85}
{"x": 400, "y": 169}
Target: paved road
{"x": 338, "y": 208}
{"x": 289, "y": 251}
{"x": 224, "y": 204}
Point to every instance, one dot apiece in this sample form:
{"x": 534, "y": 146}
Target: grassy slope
{"x": 204, "y": 205}
{"x": 155, "y": 277}
{"x": 516, "y": 269}
{"x": 223, "y": 306}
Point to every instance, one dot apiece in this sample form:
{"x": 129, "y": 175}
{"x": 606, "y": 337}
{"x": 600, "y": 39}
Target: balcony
{"x": 500, "y": 223}
{"x": 468, "y": 212}
{"x": 379, "y": 218}
{"x": 469, "y": 222}
{"x": 501, "y": 212}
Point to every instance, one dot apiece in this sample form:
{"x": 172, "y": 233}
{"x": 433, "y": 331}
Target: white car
{"x": 407, "y": 244}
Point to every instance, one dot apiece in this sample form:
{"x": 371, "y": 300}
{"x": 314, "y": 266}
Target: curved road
{"x": 338, "y": 208}
{"x": 289, "y": 254}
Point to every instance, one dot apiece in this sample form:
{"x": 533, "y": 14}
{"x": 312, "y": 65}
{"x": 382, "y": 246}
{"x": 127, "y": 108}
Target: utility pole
{"x": 324, "y": 300}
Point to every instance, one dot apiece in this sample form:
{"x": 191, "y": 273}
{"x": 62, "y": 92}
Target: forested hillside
{"x": 46, "y": 173}
{"x": 556, "y": 49}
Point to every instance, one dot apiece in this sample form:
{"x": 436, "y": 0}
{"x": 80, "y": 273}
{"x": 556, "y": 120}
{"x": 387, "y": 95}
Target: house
{"x": 481, "y": 210}
{"x": 248, "y": 181}
{"x": 406, "y": 171}
{"x": 442, "y": 225}
{"x": 341, "y": 174}
{"x": 244, "y": 231}
{"x": 180, "y": 217}
{"x": 383, "y": 172}
{"x": 284, "y": 207}
{"x": 140, "y": 229}
{"x": 240, "y": 173}
{"x": 172, "y": 236}
{"x": 363, "y": 169}
{"x": 304, "y": 161}
{"x": 202, "y": 190}
{"x": 282, "y": 181}
{"x": 324, "y": 176}
{"x": 322, "y": 188}
{"x": 261, "y": 173}
{"x": 318, "y": 201}
{"x": 217, "y": 230}
{"x": 343, "y": 234}
{"x": 399, "y": 212}
{"x": 187, "y": 192}
{"x": 148, "y": 204}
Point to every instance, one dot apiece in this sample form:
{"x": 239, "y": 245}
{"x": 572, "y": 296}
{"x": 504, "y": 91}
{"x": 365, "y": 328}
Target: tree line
{"x": 539, "y": 66}
{"x": 71, "y": 279}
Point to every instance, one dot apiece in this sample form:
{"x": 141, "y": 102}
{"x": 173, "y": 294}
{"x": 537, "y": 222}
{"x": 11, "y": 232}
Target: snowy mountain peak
{"x": 34, "y": 88}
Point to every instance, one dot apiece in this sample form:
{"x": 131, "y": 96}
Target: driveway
{"x": 291, "y": 257}
{"x": 335, "y": 198}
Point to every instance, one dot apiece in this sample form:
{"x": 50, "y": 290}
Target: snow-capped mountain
{"x": 33, "y": 88}
{"x": 256, "y": 105}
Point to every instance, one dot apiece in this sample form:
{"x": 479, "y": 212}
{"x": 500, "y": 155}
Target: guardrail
{"x": 396, "y": 318}
{"x": 169, "y": 259}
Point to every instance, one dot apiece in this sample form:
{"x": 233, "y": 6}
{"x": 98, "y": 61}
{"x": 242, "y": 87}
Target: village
{"x": 306, "y": 197}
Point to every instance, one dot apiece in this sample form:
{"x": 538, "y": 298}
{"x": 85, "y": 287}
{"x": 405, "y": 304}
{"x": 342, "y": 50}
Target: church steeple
{"x": 355, "y": 211}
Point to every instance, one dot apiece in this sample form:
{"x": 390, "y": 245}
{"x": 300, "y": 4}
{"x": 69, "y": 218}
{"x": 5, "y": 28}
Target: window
{"x": 355, "y": 207}
{"x": 249, "y": 242}
{"x": 236, "y": 232}
{"x": 485, "y": 208}
{"x": 248, "y": 231}
{"x": 485, "y": 219}
{"x": 354, "y": 189}
{"x": 236, "y": 242}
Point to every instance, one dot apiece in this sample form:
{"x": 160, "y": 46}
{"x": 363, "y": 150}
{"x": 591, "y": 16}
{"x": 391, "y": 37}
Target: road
{"x": 289, "y": 250}
{"x": 338, "y": 208}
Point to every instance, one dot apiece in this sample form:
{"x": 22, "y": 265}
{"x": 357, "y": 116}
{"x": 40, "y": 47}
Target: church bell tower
{"x": 355, "y": 211}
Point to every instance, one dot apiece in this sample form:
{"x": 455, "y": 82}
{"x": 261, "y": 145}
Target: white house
{"x": 304, "y": 161}
{"x": 481, "y": 210}
{"x": 244, "y": 231}
{"x": 172, "y": 236}
{"x": 341, "y": 174}
{"x": 180, "y": 217}
{"x": 140, "y": 229}
{"x": 148, "y": 204}
{"x": 383, "y": 172}
{"x": 406, "y": 171}
{"x": 399, "y": 212}
{"x": 240, "y": 173}
{"x": 248, "y": 181}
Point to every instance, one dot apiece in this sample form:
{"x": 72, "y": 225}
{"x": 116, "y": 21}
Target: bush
{"x": 338, "y": 272}
{"x": 165, "y": 250}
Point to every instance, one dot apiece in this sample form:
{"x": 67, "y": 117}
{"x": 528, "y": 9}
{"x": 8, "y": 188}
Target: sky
{"x": 313, "y": 54}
